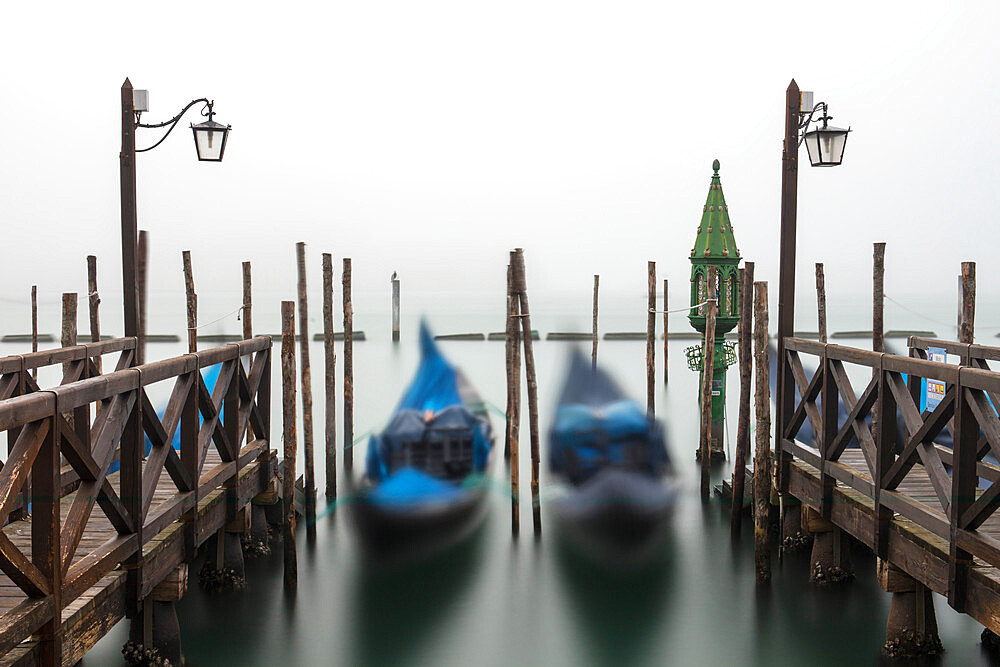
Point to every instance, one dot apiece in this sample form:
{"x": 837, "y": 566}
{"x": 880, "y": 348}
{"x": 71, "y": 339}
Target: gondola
{"x": 611, "y": 461}
{"x": 425, "y": 481}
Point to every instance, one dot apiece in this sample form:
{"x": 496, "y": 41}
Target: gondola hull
{"x": 413, "y": 531}
{"x": 618, "y": 518}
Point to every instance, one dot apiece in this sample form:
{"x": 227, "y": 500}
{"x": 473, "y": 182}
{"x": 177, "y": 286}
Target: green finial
{"x": 715, "y": 166}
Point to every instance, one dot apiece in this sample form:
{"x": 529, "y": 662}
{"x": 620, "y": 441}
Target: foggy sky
{"x": 431, "y": 137}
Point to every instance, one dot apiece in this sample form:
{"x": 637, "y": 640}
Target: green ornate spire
{"x": 715, "y": 245}
{"x": 715, "y": 234}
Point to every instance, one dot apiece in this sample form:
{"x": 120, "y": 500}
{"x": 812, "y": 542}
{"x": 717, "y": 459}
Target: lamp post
{"x": 825, "y": 146}
{"x": 210, "y": 143}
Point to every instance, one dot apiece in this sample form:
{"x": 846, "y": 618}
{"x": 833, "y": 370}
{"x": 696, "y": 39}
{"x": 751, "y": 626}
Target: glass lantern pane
{"x": 812, "y": 147}
{"x": 210, "y": 143}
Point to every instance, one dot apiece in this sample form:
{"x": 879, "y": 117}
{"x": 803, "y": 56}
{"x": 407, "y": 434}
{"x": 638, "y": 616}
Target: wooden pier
{"x": 915, "y": 503}
{"x": 70, "y": 573}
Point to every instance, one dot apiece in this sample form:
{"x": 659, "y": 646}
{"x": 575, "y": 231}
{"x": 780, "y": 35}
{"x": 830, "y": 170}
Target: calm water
{"x": 494, "y": 601}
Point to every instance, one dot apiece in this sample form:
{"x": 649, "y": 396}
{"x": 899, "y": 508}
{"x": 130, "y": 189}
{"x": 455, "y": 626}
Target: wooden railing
{"x": 893, "y": 434}
{"x": 48, "y": 427}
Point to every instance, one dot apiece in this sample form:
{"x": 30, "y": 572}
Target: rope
{"x": 230, "y": 314}
{"x": 682, "y": 310}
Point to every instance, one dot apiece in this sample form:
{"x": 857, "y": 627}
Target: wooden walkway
{"x": 918, "y": 505}
{"x": 97, "y": 544}
{"x": 92, "y": 615}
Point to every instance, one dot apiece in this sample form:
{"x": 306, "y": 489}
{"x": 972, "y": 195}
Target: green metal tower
{"x": 715, "y": 246}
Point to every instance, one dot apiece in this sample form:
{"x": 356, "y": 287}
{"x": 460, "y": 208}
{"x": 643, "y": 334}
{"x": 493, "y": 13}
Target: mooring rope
{"x": 238, "y": 312}
{"x": 681, "y": 310}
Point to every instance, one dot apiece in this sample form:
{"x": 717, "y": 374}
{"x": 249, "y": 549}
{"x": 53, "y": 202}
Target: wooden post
{"x": 290, "y": 439}
{"x": 743, "y": 425}
{"x": 520, "y": 287}
{"x": 395, "y": 308}
{"x": 967, "y": 326}
{"x": 94, "y": 301}
{"x": 69, "y": 316}
{"x": 513, "y": 401}
{"x": 762, "y": 448}
{"x": 330, "y": 379}
{"x": 650, "y": 338}
{"x": 348, "y": 374}
{"x": 707, "y": 371}
{"x": 34, "y": 326}
{"x": 307, "y": 417}
{"x": 666, "y": 335}
{"x": 247, "y": 314}
{"x": 46, "y": 551}
{"x": 192, "y": 302}
{"x": 878, "y": 298}
{"x": 593, "y": 335}
{"x": 821, "y": 301}
{"x": 142, "y": 257}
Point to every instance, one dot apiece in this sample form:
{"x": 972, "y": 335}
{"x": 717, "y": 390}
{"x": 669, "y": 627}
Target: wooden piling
{"x": 247, "y": 315}
{"x": 762, "y": 448}
{"x": 306, "y": 378}
{"x": 69, "y": 319}
{"x": 94, "y": 301}
{"x": 348, "y": 373}
{"x": 593, "y": 354}
{"x": 395, "y": 308}
{"x": 520, "y": 287}
{"x": 289, "y": 436}
{"x": 330, "y": 379}
{"x": 34, "y": 326}
{"x": 666, "y": 335}
{"x": 821, "y": 301}
{"x": 967, "y": 325}
{"x": 743, "y": 425}
{"x": 192, "y": 302}
{"x": 707, "y": 366}
{"x": 878, "y": 298}
{"x": 142, "y": 258}
{"x": 513, "y": 402}
{"x": 651, "y": 338}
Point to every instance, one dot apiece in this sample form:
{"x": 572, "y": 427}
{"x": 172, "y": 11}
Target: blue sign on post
{"x": 935, "y": 388}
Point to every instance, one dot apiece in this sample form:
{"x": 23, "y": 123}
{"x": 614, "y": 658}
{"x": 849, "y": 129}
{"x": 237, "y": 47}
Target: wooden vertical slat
{"x": 348, "y": 373}
{"x": 290, "y": 435}
{"x": 650, "y": 338}
{"x": 707, "y": 371}
{"x": 963, "y": 486}
{"x": 192, "y": 302}
{"x": 762, "y": 444}
{"x": 884, "y": 434}
{"x": 521, "y": 288}
{"x": 821, "y": 301}
{"x": 967, "y": 324}
{"x": 45, "y": 543}
{"x": 142, "y": 264}
{"x": 306, "y": 379}
{"x": 94, "y": 302}
{"x": 191, "y": 461}
{"x": 746, "y": 371}
{"x": 330, "y": 379}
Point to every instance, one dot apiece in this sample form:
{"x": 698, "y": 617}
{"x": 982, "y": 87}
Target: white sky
{"x": 430, "y": 137}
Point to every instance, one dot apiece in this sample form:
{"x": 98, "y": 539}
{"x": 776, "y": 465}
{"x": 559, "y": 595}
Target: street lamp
{"x": 210, "y": 143}
{"x": 825, "y": 146}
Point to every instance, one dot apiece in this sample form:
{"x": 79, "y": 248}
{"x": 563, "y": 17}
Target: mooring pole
{"x": 743, "y": 425}
{"x": 247, "y": 314}
{"x": 513, "y": 401}
{"x": 878, "y": 298}
{"x": 967, "y": 326}
{"x": 762, "y": 448}
{"x": 666, "y": 335}
{"x": 192, "y": 302}
{"x": 785, "y": 399}
{"x": 330, "y": 379}
{"x": 520, "y": 286}
{"x": 142, "y": 261}
{"x": 307, "y": 418}
{"x": 289, "y": 436}
{"x": 94, "y": 301}
{"x": 707, "y": 373}
{"x": 395, "y": 308}
{"x": 348, "y": 374}
{"x": 593, "y": 335}
{"x": 821, "y": 301}
{"x": 69, "y": 319}
{"x": 651, "y": 338}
